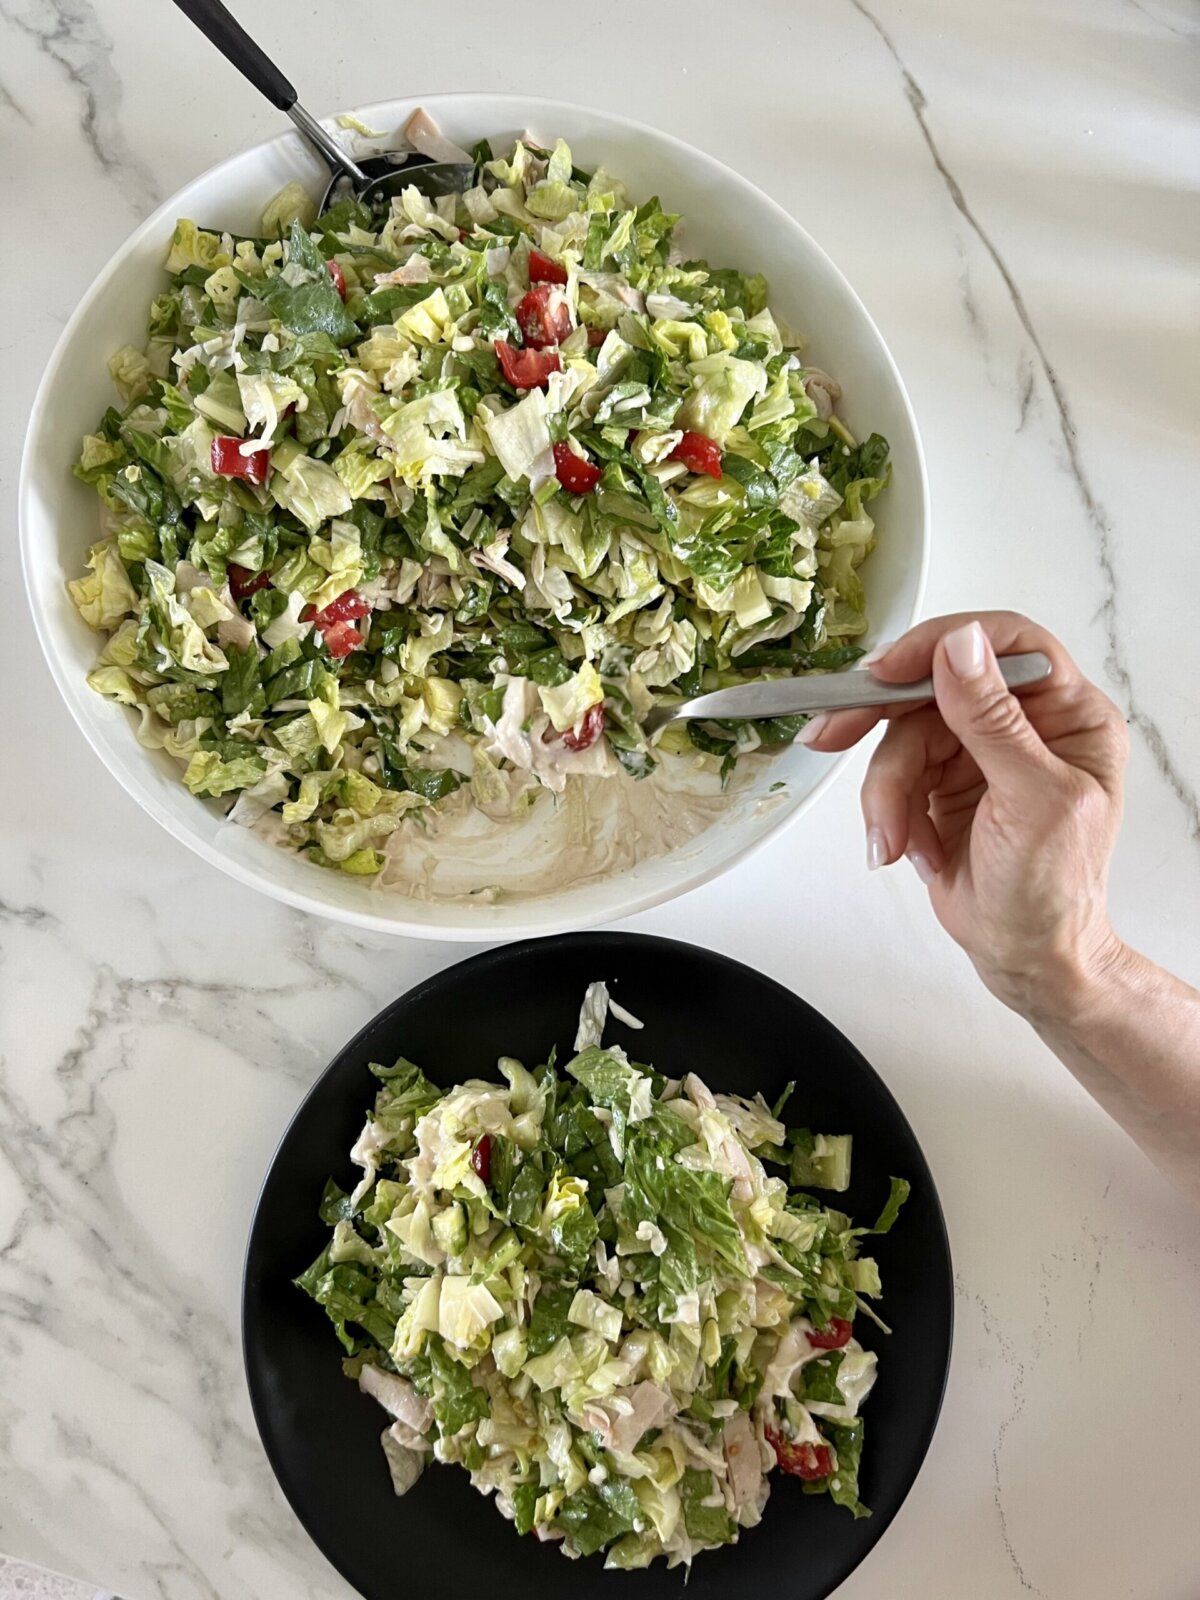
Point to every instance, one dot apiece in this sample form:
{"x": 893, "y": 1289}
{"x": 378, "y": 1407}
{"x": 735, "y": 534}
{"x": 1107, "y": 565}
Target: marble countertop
{"x": 1012, "y": 191}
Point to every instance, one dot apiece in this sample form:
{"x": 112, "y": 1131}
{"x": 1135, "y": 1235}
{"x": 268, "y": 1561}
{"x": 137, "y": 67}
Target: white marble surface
{"x": 1012, "y": 190}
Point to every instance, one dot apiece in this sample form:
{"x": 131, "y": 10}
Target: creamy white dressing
{"x": 595, "y": 829}
{"x": 534, "y": 842}
{"x": 531, "y": 842}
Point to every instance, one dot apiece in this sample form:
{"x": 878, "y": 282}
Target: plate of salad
{"x": 406, "y": 518}
{"x": 598, "y": 1274}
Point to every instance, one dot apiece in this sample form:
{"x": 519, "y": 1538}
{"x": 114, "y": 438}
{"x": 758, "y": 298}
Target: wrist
{"x": 1067, "y": 983}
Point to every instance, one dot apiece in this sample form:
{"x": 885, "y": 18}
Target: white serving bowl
{"x": 728, "y": 220}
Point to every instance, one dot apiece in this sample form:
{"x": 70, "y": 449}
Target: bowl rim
{"x": 517, "y": 919}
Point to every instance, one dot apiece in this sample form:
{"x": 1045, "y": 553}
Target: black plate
{"x": 741, "y": 1032}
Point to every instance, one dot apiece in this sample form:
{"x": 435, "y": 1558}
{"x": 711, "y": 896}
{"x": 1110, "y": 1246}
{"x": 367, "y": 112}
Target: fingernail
{"x": 877, "y": 849}
{"x": 922, "y": 866}
{"x": 880, "y": 650}
{"x": 966, "y": 651}
{"x": 813, "y": 729}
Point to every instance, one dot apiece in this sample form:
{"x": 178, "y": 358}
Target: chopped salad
{"x": 608, "y": 1295}
{"x": 403, "y": 499}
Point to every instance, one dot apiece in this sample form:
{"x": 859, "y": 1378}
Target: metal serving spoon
{"x": 834, "y": 691}
{"x": 372, "y": 177}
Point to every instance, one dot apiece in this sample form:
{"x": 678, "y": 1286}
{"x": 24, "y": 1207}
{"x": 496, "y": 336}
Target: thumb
{"x": 977, "y": 705}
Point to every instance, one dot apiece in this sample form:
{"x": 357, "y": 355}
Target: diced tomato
{"x": 698, "y": 454}
{"x": 345, "y": 608}
{"x": 227, "y": 461}
{"x": 334, "y": 622}
{"x": 587, "y": 730}
{"x": 526, "y": 369}
{"x": 542, "y": 323}
{"x": 481, "y": 1158}
{"x": 596, "y": 337}
{"x": 340, "y": 638}
{"x": 544, "y": 269}
{"x": 338, "y": 276}
{"x": 833, "y": 1337}
{"x": 800, "y": 1460}
{"x": 576, "y": 475}
{"x": 243, "y": 583}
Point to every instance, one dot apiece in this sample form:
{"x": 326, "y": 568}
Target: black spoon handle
{"x": 236, "y": 45}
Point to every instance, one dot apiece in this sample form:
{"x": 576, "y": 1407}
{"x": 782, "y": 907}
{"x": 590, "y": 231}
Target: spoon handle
{"x": 238, "y": 48}
{"x": 839, "y": 691}
{"x": 235, "y": 44}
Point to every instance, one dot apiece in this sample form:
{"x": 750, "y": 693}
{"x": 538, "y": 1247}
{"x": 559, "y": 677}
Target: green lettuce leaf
{"x": 313, "y": 306}
{"x": 706, "y": 1524}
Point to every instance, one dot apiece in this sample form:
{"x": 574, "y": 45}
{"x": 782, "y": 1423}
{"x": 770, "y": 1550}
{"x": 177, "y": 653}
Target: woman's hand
{"x": 1008, "y": 808}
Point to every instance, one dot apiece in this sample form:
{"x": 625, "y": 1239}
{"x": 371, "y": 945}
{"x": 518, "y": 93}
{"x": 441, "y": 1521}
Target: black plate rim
{"x": 600, "y": 941}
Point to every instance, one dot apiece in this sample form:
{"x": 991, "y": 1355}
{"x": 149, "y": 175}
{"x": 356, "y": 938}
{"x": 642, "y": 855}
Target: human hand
{"x": 1008, "y": 809}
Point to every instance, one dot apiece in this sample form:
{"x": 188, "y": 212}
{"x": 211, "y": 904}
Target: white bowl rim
{"x": 522, "y": 919}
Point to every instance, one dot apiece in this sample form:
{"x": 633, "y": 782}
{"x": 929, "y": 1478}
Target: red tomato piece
{"x": 227, "y": 461}
{"x": 596, "y": 337}
{"x": 576, "y": 475}
{"x": 341, "y": 638}
{"x": 243, "y": 583}
{"x": 544, "y": 269}
{"x": 833, "y": 1337}
{"x": 587, "y": 730}
{"x": 344, "y": 609}
{"x": 481, "y": 1158}
{"x": 338, "y": 276}
{"x": 800, "y": 1460}
{"x": 542, "y": 319}
{"x": 698, "y": 454}
{"x": 526, "y": 369}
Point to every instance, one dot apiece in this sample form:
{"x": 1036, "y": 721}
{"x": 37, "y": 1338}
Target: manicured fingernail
{"x": 966, "y": 651}
{"x": 880, "y": 650}
{"x": 813, "y": 729}
{"x": 877, "y": 849}
{"x": 922, "y": 866}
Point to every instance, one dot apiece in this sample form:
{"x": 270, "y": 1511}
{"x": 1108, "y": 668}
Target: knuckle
{"x": 1016, "y": 621}
{"x": 875, "y": 784}
{"x": 1085, "y": 809}
{"x": 1106, "y": 729}
{"x": 997, "y": 714}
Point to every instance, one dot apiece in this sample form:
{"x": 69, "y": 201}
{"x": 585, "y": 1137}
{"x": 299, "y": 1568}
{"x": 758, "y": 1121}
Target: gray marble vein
{"x": 76, "y": 1442}
{"x": 158, "y": 1023}
{"x": 73, "y": 1195}
{"x": 1097, "y": 516}
{"x": 1011, "y": 1360}
{"x": 10, "y": 103}
{"x": 1027, "y": 389}
{"x": 1192, "y": 33}
{"x": 71, "y": 35}
{"x": 29, "y": 916}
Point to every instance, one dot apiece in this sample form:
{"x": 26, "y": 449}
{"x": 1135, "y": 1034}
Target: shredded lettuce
{"x": 334, "y": 469}
{"x": 597, "y": 1291}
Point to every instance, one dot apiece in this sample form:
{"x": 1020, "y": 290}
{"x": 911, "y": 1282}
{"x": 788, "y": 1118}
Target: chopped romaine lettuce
{"x": 402, "y": 493}
{"x": 586, "y": 1288}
